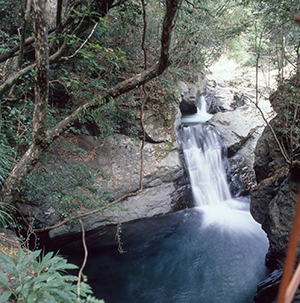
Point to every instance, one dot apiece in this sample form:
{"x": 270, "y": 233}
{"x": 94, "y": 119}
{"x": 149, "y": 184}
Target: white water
{"x": 204, "y": 156}
{"x": 200, "y": 117}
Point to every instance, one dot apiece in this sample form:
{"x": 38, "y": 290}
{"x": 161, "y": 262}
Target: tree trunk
{"x": 298, "y": 59}
{"x": 22, "y": 43}
{"x": 41, "y": 72}
{"x": 58, "y": 16}
{"x": 36, "y": 150}
{"x": 282, "y": 56}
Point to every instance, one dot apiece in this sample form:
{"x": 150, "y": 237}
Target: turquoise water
{"x": 185, "y": 257}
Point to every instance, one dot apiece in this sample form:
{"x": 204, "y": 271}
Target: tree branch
{"x": 199, "y": 7}
{"x": 82, "y": 45}
{"x": 58, "y": 15}
{"x": 12, "y": 52}
{"x": 84, "y": 260}
{"x": 285, "y": 156}
{"x": 53, "y": 58}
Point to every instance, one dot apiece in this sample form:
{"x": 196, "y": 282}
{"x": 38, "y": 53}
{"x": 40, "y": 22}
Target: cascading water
{"x": 200, "y": 116}
{"x": 203, "y": 154}
{"x": 213, "y": 253}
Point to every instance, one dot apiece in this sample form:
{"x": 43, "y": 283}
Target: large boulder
{"x": 190, "y": 95}
{"x": 240, "y": 128}
{"x": 115, "y": 165}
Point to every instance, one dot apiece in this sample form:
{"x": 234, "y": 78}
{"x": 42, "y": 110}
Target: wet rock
{"x": 188, "y": 106}
{"x": 240, "y": 176}
{"x": 267, "y": 289}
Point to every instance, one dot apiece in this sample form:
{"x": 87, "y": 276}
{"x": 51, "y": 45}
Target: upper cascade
{"x": 200, "y": 117}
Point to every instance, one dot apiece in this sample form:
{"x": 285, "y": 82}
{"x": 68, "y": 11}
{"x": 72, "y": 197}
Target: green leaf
{"x": 64, "y": 296}
{"x": 49, "y": 298}
{"x": 9, "y": 267}
{"x": 31, "y": 257}
{"x": 39, "y": 281}
{"x": 5, "y": 296}
{"x": 46, "y": 261}
{"x": 25, "y": 291}
{"x": 32, "y": 297}
{"x": 3, "y": 278}
{"x": 20, "y": 256}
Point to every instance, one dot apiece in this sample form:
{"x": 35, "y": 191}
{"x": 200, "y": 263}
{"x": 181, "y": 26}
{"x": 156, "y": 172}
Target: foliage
{"x": 91, "y": 299}
{"x": 6, "y": 162}
{"x": 6, "y": 211}
{"x": 16, "y": 114}
{"x": 202, "y": 31}
{"x": 70, "y": 189}
{"x": 28, "y": 279}
{"x": 6, "y": 158}
{"x": 10, "y": 21}
{"x": 274, "y": 39}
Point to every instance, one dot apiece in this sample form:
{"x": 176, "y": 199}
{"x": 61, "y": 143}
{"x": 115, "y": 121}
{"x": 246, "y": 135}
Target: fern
{"x": 32, "y": 278}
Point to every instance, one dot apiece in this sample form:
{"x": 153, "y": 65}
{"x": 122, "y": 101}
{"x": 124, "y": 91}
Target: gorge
{"x": 157, "y": 140}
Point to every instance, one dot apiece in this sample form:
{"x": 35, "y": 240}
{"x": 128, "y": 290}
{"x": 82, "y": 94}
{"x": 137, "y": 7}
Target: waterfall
{"x": 202, "y": 109}
{"x": 200, "y": 117}
{"x": 202, "y": 149}
{"x": 204, "y": 157}
{"x": 203, "y": 154}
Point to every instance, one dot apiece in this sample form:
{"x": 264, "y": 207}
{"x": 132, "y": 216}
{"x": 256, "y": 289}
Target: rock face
{"x": 274, "y": 199}
{"x": 273, "y": 204}
{"x": 115, "y": 163}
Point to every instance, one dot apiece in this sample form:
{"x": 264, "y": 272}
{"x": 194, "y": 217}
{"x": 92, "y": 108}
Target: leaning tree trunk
{"x": 41, "y": 73}
{"x": 36, "y": 150}
{"x": 42, "y": 139}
